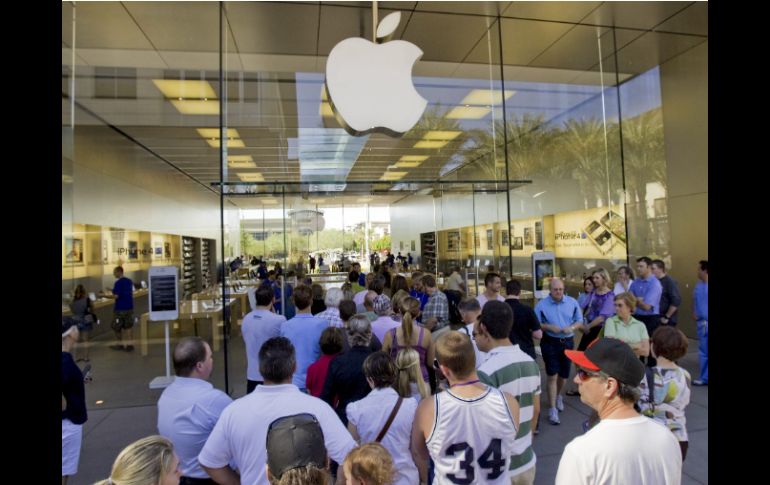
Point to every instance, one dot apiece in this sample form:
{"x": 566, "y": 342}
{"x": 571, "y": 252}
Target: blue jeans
{"x": 703, "y": 349}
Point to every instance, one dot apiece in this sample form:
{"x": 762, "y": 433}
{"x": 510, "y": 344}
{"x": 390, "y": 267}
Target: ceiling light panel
{"x": 441, "y": 135}
{"x": 230, "y": 143}
{"x": 468, "y": 112}
{"x": 250, "y": 177}
{"x": 486, "y": 97}
{"x": 196, "y": 107}
{"x": 214, "y": 133}
{"x": 176, "y": 89}
{"x": 430, "y": 144}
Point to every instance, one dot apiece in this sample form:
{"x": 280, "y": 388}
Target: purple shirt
{"x": 603, "y": 305}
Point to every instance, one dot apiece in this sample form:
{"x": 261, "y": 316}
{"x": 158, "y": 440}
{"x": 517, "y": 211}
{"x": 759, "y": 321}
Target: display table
{"x": 190, "y": 309}
{"x": 102, "y": 302}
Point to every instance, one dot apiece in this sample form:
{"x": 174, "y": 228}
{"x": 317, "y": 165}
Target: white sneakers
{"x": 560, "y": 403}
{"x": 553, "y": 416}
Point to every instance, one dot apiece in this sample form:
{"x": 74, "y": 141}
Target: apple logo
{"x": 370, "y": 85}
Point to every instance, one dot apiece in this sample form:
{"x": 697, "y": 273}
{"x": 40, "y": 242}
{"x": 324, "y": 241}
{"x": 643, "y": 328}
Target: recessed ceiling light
{"x": 250, "y": 177}
{"x": 67, "y": 179}
{"x": 413, "y": 158}
{"x": 468, "y": 113}
{"x": 393, "y": 175}
{"x": 240, "y": 161}
{"x": 214, "y": 133}
{"x": 539, "y": 194}
{"x": 316, "y": 201}
{"x": 184, "y": 89}
{"x": 406, "y": 164}
{"x": 486, "y": 97}
{"x": 230, "y": 143}
{"x": 441, "y": 135}
{"x": 196, "y": 107}
{"x": 268, "y": 201}
{"x": 430, "y": 144}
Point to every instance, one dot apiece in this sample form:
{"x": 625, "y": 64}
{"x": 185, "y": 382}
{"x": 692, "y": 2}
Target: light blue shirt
{"x": 188, "y": 409}
{"x": 649, "y": 290}
{"x": 701, "y": 298}
{"x": 304, "y": 331}
{"x": 562, "y": 313}
{"x": 258, "y": 326}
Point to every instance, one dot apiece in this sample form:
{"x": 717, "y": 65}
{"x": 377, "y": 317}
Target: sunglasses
{"x": 584, "y": 375}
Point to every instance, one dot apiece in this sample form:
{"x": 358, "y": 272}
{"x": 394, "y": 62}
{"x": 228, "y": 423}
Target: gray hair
{"x": 359, "y": 330}
{"x": 333, "y": 297}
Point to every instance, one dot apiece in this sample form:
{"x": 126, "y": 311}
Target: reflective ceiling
{"x": 556, "y": 57}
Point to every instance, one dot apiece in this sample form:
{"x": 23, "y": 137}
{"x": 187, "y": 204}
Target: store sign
{"x": 592, "y": 233}
{"x": 370, "y": 85}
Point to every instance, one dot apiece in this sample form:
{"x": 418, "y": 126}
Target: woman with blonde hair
{"x": 410, "y": 335}
{"x": 409, "y": 380}
{"x": 368, "y": 464}
{"x": 148, "y": 461}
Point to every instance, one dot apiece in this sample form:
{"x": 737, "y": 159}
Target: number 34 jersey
{"x": 472, "y": 439}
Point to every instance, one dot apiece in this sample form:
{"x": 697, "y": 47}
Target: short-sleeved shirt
{"x": 124, "y": 290}
{"x": 600, "y": 305}
{"x": 304, "y": 331}
{"x": 701, "y": 298}
{"x": 482, "y": 299}
{"x": 509, "y": 369}
{"x": 669, "y": 296}
{"x": 241, "y": 432}
{"x": 524, "y": 323}
{"x": 672, "y": 395}
{"x": 454, "y": 281}
{"x": 188, "y": 409}
{"x": 331, "y": 315}
{"x": 633, "y": 333}
{"x": 258, "y": 327}
{"x": 369, "y": 416}
{"x": 562, "y": 313}
{"x": 437, "y": 306}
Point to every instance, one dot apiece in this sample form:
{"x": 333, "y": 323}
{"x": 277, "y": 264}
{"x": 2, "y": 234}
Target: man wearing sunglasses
{"x": 625, "y": 447}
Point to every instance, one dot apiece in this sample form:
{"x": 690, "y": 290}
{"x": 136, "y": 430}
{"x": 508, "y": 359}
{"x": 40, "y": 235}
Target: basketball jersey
{"x": 472, "y": 439}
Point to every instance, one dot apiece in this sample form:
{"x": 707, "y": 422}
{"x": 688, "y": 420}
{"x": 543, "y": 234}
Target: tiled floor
{"x": 128, "y": 411}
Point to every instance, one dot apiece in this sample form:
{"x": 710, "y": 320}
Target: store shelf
{"x": 428, "y": 251}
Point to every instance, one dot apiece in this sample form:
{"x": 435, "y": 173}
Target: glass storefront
{"x": 550, "y": 126}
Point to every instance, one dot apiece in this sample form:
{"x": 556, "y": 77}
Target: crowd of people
{"x": 377, "y": 382}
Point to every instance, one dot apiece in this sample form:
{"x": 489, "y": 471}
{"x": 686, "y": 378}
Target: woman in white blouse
{"x": 367, "y": 417}
{"x": 625, "y": 278}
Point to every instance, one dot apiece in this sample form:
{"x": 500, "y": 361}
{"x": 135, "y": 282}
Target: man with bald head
{"x": 189, "y": 408}
{"x": 559, "y": 317}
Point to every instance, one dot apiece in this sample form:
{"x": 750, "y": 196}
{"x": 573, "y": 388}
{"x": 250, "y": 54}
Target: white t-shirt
{"x": 369, "y": 416}
{"x": 635, "y": 451}
{"x": 258, "y": 327}
{"x": 454, "y": 281}
{"x": 482, "y": 299}
{"x": 241, "y": 432}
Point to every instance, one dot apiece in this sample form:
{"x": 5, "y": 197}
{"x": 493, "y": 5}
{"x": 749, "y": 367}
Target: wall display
{"x": 616, "y": 225}
{"x": 189, "y": 267}
{"x": 428, "y": 250}
{"x": 582, "y": 234}
{"x": 539, "y": 235}
{"x": 490, "y": 239}
{"x": 528, "y": 236}
{"x": 413, "y": 246}
{"x": 73, "y": 250}
{"x": 167, "y": 249}
{"x": 105, "y": 252}
{"x": 518, "y": 243}
{"x": 504, "y": 237}
{"x": 133, "y": 252}
{"x": 401, "y": 245}
{"x": 453, "y": 241}
{"x": 476, "y": 240}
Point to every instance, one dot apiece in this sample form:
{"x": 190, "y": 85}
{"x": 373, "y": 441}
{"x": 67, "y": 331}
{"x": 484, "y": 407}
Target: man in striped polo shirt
{"x": 511, "y": 370}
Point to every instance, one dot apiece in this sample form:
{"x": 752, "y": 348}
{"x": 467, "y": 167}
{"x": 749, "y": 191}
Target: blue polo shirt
{"x": 701, "y": 298}
{"x": 423, "y": 297}
{"x": 124, "y": 290}
{"x": 304, "y": 331}
{"x": 648, "y": 289}
{"x": 562, "y": 313}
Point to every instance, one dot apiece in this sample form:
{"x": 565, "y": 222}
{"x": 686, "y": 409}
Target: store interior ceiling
{"x": 557, "y": 56}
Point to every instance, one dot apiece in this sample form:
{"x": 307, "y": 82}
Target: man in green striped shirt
{"x": 511, "y": 370}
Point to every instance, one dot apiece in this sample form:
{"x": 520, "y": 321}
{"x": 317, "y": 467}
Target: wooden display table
{"x": 102, "y": 302}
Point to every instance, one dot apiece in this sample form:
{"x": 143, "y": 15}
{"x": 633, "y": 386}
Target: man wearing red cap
{"x": 625, "y": 447}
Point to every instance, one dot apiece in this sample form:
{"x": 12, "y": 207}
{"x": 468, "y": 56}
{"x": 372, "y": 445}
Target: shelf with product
{"x": 190, "y": 269}
{"x": 428, "y": 251}
{"x": 206, "y": 272}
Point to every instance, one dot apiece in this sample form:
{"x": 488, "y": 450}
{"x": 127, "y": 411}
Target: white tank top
{"x": 472, "y": 439}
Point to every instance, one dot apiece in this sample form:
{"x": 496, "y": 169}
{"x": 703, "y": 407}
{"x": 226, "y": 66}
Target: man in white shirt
{"x": 625, "y": 447}
{"x": 189, "y": 408}
{"x": 259, "y": 326}
{"x": 491, "y": 289}
{"x": 241, "y": 432}
{"x": 455, "y": 281}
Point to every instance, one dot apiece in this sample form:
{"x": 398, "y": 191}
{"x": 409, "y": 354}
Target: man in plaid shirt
{"x": 436, "y": 312}
{"x": 332, "y": 313}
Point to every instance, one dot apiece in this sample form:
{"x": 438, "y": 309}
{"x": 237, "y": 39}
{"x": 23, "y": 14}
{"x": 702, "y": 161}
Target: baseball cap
{"x": 381, "y": 304}
{"x": 67, "y": 324}
{"x": 293, "y": 442}
{"x": 611, "y": 356}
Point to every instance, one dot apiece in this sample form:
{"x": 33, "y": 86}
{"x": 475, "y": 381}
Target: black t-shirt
{"x": 524, "y": 323}
{"x": 73, "y": 389}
